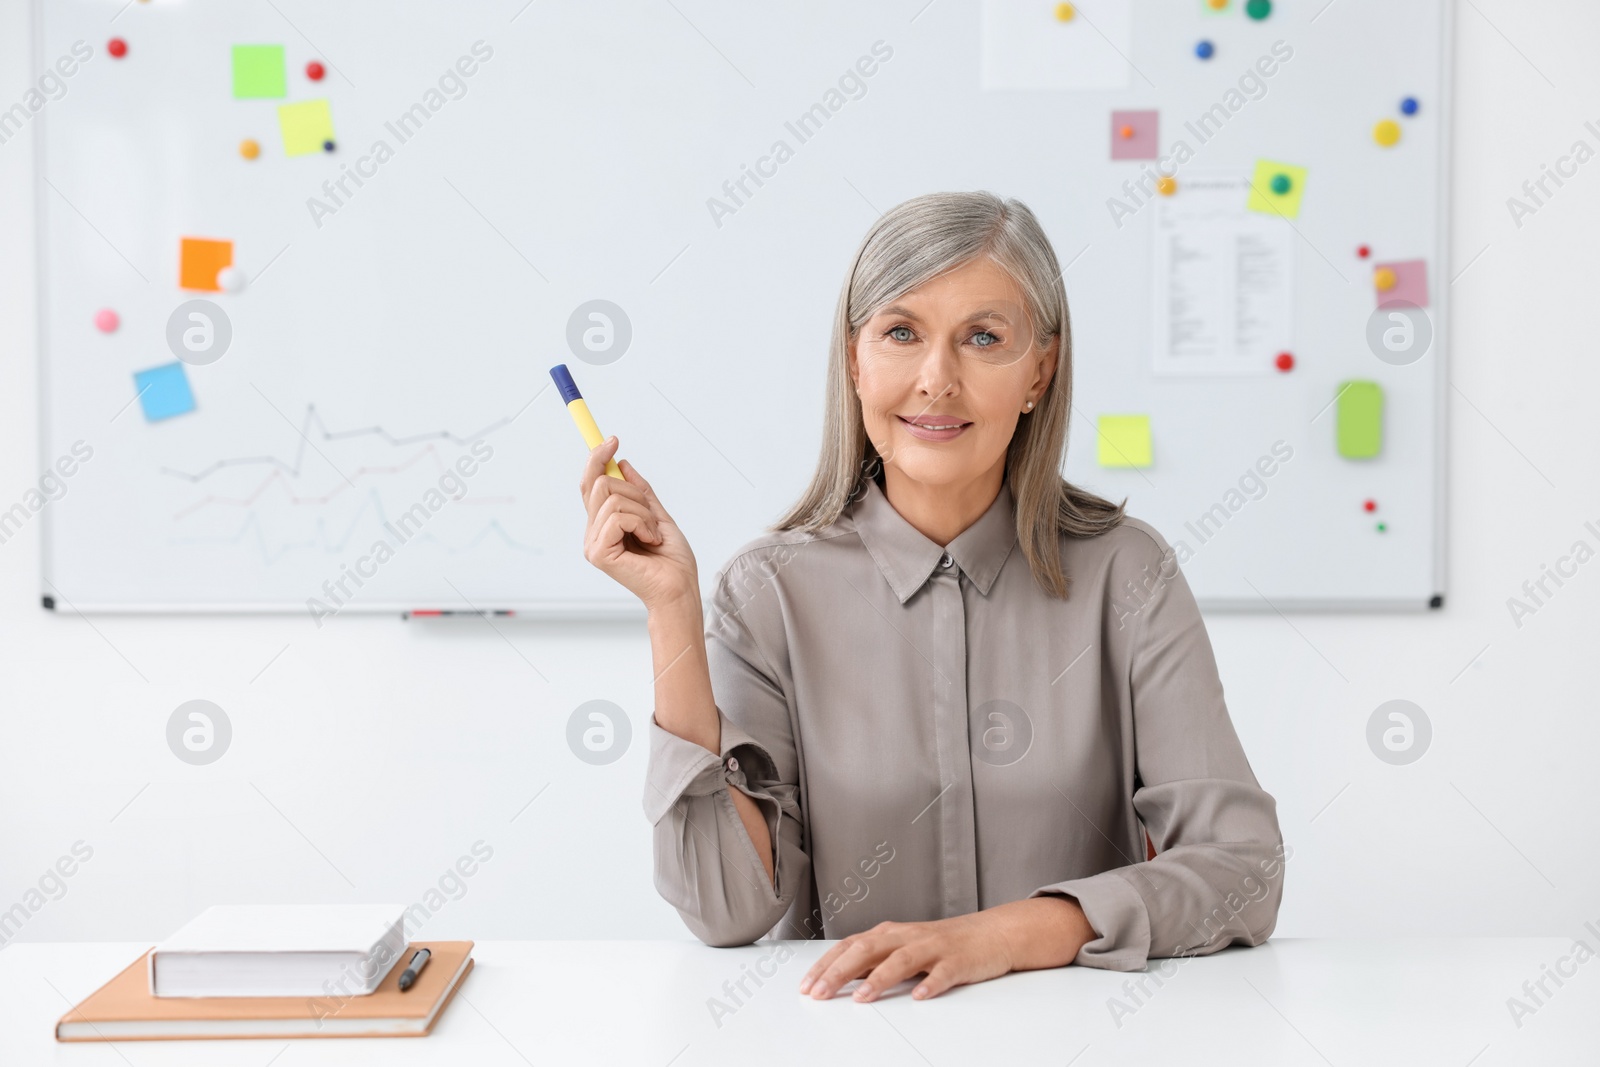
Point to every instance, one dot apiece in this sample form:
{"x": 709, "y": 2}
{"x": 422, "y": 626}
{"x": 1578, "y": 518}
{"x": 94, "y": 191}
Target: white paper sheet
{"x": 1223, "y": 301}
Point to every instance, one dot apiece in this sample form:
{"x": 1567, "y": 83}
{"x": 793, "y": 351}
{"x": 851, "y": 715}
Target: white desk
{"x": 1417, "y": 1001}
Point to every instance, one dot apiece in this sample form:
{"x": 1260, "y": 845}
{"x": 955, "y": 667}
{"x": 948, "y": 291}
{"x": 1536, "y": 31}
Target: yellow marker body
{"x": 591, "y": 433}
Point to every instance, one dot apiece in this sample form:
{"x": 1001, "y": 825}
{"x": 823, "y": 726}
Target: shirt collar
{"x": 907, "y": 558}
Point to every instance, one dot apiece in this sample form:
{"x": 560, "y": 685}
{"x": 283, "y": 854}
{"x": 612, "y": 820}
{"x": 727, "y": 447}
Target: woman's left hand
{"x": 1043, "y": 931}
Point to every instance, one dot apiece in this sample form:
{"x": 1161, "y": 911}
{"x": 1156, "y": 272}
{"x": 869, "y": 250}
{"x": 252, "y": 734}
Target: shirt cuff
{"x": 1117, "y": 912}
{"x": 678, "y": 767}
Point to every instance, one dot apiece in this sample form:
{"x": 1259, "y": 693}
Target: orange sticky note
{"x": 200, "y": 260}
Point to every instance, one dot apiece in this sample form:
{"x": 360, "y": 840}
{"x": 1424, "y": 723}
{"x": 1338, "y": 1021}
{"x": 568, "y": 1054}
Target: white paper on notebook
{"x": 280, "y": 950}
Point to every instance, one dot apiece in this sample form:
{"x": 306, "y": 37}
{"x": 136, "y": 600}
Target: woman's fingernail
{"x": 805, "y": 984}
{"x": 863, "y": 992}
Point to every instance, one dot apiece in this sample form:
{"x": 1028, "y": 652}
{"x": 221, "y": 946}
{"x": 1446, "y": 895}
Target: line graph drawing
{"x": 277, "y": 477}
{"x": 312, "y": 416}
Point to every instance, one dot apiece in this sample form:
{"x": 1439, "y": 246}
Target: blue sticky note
{"x": 164, "y": 391}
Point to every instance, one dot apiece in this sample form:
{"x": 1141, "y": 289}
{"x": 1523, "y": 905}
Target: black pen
{"x": 419, "y": 960}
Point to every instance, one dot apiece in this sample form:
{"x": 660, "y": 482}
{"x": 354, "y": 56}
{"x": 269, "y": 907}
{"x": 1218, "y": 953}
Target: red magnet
{"x": 1371, "y": 505}
{"x": 1363, "y": 251}
{"x": 117, "y": 47}
{"x": 1285, "y": 361}
{"x": 315, "y": 71}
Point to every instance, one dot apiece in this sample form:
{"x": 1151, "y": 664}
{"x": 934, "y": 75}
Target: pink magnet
{"x": 1410, "y": 282}
{"x": 1144, "y": 142}
{"x": 106, "y": 321}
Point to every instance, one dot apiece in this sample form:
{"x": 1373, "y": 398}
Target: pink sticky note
{"x": 1143, "y": 127}
{"x": 1410, "y": 282}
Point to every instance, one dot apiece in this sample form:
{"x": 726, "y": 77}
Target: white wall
{"x": 1486, "y": 834}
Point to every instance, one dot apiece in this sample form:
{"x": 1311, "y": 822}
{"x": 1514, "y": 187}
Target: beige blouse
{"x": 929, "y": 734}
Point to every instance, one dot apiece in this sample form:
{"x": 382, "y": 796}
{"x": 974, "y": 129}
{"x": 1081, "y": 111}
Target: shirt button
{"x": 945, "y": 560}
{"x": 733, "y": 763}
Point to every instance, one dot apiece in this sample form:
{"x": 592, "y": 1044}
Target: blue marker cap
{"x": 564, "y": 383}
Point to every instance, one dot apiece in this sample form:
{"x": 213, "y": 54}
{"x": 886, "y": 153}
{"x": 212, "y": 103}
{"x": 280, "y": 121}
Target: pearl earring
{"x": 1029, "y": 407}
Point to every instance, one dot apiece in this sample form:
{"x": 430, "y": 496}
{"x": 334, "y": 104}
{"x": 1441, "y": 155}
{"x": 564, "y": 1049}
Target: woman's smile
{"x": 934, "y": 427}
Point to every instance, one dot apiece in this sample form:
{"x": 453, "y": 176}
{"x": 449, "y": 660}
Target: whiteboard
{"x": 403, "y": 304}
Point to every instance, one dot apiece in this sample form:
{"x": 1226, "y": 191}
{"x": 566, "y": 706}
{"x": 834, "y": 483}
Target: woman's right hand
{"x": 631, "y": 537}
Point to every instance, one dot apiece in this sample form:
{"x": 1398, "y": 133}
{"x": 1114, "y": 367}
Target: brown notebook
{"x": 124, "y": 1010}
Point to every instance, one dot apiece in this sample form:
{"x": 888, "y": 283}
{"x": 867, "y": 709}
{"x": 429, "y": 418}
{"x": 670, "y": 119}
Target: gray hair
{"x": 909, "y": 245}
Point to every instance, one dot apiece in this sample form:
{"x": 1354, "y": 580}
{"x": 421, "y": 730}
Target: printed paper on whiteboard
{"x": 1223, "y": 280}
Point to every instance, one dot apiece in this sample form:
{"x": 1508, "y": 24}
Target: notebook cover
{"x": 127, "y": 998}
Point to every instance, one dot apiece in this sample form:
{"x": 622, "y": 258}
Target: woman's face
{"x": 945, "y": 371}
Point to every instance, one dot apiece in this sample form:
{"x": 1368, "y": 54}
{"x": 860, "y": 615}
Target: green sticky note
{"x": 1124, "y": 441}
{"x": 258, "y": 72}
{"x": 305, "y": 126}
{"x": 1262, "y": 195}
{"x": 1360, "y": 420}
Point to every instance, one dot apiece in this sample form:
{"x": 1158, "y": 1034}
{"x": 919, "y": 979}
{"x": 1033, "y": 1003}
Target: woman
{"x": 935, "y": 711}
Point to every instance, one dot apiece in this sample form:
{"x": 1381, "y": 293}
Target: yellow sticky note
{"x": 1124, "y": 441}
{"x": 199, "y": 261}
{"x": 305, "y": 126}
{"x": 1270, "y": 177}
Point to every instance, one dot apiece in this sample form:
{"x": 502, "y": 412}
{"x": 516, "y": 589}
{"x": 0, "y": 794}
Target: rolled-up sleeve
{"x": 706, "y": 866}
{"x": 1217, "y": 877}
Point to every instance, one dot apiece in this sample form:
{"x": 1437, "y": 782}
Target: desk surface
{"x": 654, "y": 1003}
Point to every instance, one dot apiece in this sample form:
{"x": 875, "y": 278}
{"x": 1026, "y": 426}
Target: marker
{"x": 580, "y": 414}
{"x": 418, "y": 961}
{"x": 429, "y": 613}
